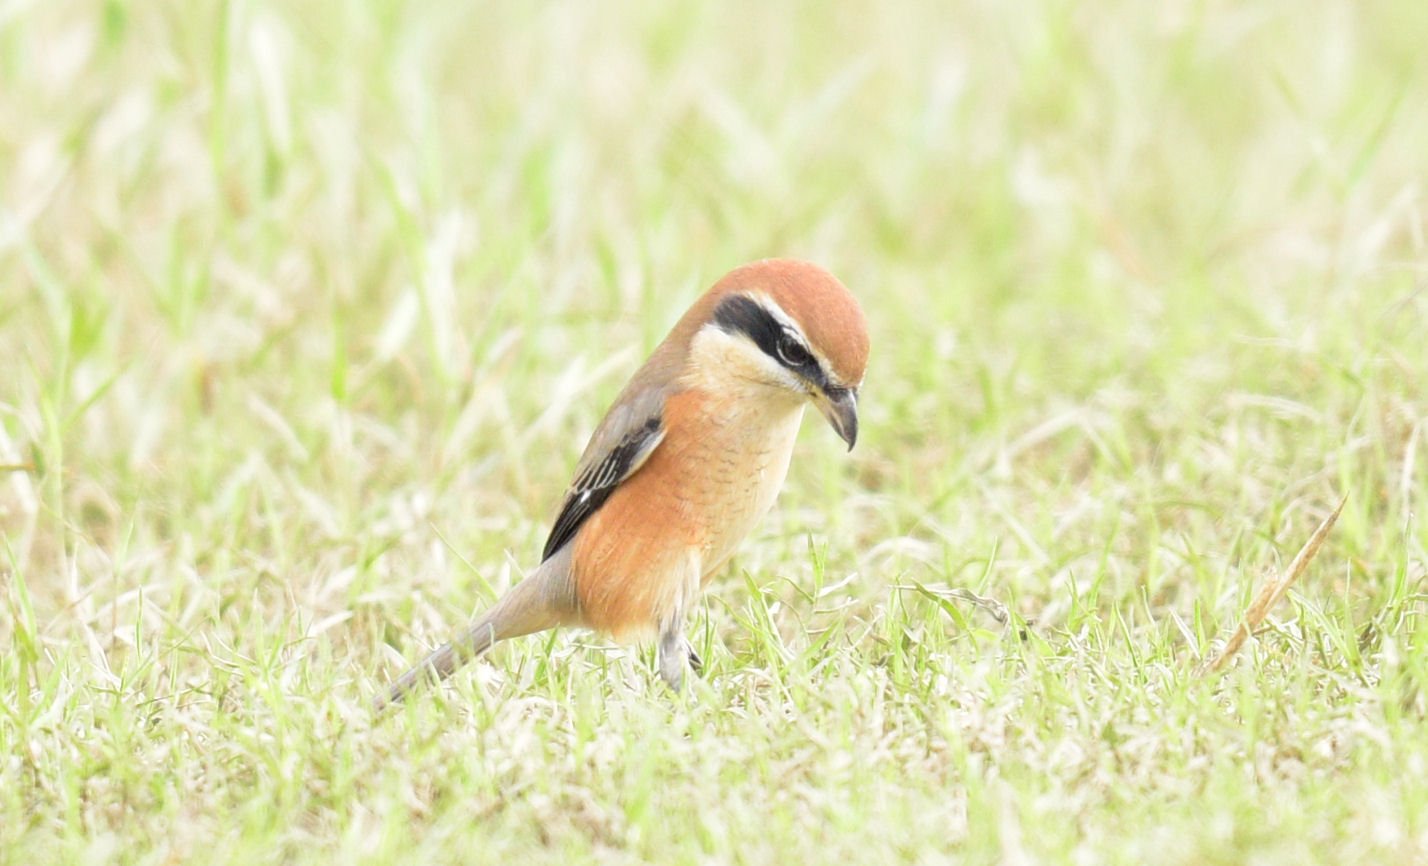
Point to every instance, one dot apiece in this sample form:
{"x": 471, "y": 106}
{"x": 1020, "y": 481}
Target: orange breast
{"x": 642, "y": 557}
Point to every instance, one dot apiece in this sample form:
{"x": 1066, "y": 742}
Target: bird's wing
{"x": 625, "y": 439}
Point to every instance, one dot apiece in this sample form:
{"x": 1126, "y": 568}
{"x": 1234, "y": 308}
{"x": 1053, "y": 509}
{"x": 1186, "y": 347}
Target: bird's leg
{"x": 674, "y": 653}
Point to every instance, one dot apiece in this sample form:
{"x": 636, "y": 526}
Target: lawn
{"x": 307, "y": 309}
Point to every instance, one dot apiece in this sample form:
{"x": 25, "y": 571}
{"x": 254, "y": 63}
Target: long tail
{"x": 544, "y": 599}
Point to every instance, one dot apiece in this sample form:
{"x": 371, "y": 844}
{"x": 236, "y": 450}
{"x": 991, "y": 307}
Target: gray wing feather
{"x": 621, "y": 444}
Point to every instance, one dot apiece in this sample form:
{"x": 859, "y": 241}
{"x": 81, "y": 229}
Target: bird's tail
{"x": 543, "y": 600}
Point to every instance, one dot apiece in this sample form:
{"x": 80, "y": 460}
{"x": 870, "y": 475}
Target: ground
{"x": 307, "y": 309}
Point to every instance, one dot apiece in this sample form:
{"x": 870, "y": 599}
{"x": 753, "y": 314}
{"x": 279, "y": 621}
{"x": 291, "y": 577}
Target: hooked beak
{"x": 840, "y": 407}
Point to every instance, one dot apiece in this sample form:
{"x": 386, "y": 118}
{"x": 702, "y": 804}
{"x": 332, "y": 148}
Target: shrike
{"x": 687, "y": 460}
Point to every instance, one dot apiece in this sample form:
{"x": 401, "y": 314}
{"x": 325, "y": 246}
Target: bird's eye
{"x": 791, "y": 352}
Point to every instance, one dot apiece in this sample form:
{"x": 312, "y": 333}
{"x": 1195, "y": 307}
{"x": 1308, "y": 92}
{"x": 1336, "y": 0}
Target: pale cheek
{"x": 735, "y": 368}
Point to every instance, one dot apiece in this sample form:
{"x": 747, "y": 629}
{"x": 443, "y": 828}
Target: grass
{"x": 307, "y": 310}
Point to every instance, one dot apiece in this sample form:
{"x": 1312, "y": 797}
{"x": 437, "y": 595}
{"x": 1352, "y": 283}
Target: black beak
{"x": 840, "y": 407}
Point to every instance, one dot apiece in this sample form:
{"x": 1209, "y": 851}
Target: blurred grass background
{"x": 307, "y": 309}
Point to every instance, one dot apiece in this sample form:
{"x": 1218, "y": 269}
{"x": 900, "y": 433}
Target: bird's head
{"x": 791, "y": 327}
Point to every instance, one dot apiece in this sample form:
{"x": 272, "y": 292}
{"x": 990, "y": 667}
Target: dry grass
{"x": 306, "y": 310}
{"x": 1274, "y": 590}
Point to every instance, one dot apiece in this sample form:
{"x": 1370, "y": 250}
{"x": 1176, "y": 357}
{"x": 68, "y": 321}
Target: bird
{"x": 687, "y": 460}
